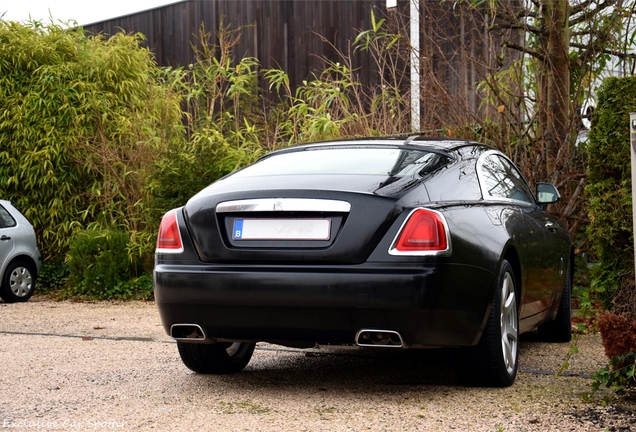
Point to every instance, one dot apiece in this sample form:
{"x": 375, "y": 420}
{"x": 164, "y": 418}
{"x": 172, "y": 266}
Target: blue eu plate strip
{"x": 238, "y": 229}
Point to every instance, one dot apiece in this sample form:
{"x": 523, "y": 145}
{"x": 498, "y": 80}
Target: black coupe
{"x": 379, "y": 243}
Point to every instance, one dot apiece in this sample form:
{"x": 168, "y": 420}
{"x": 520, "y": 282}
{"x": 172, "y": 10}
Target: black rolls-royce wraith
{"x": 376, "y": 243}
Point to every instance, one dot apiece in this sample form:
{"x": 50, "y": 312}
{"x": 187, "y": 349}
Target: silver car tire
{"x": 18, "y": 283}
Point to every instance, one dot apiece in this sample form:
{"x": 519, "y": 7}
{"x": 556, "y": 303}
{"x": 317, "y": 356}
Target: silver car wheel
{"x": 21, "y": 281}
{"x": 508, "y": 322}
{"x": 233, "y": 349}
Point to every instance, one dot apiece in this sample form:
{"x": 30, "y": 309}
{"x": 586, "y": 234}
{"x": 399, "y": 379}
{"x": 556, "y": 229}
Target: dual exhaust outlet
{"x": 187, "y": 332}
{"x": 379, "y": 338}
{"x": 364, "y": 337}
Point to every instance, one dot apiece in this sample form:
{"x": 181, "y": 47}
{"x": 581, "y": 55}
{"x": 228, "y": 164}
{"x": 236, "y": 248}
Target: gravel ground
{"x": 109, "y": 366}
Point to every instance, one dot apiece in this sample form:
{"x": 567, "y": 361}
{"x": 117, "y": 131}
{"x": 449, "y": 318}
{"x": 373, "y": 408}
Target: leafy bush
{"x": 81, "y": 120}
{"x": 619, "y": 340}
{"x": 609, "y": 195}
{"x": 185, "y": 169}
{"x": 618, "y": 333}
{"x": 98, "y": 264}
{"x": 619, "y": 376}
{"x": 53, "y": 276}
{"x": 222, "y": 107}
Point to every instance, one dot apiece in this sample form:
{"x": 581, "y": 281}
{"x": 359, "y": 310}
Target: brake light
{"x": 169, "y": 238}
{"x": 423, "y": 232}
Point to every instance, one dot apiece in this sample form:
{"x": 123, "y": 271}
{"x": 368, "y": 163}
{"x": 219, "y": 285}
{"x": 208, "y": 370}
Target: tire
{"x": 560, "y": 329}
{"x": 493, "y": 362}
{"x": 218, "y": 358}
{"x": 18, "y": 283}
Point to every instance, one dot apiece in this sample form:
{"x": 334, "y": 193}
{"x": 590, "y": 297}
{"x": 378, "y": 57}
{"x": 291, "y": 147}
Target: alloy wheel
{"x": 508, "y": 323}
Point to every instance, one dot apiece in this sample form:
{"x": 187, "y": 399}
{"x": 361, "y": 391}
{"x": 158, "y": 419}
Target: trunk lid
{"x": 320, "y": 219}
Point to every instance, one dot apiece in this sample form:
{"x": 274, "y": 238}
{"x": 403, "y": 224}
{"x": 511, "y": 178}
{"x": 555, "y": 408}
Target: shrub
{"x": 81, "y": 121}
{"x": 618, "y": 333}
{"x": 619, "y": 340}
{"x": 609, "y": 195}
{"x": 185, "y": 169}
{"x": 98, "y": 264}
{"x": 619, "y": 376}
{"x": 53, "y": 276}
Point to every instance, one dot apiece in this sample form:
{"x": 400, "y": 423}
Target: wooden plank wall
{"x": 285, "y": 33}
{"x": 280, "y": 33}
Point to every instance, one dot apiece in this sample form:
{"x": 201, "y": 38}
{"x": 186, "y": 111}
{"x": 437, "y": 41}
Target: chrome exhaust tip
{"x": 187, "y": 332}
{"x": 379, "y": 338}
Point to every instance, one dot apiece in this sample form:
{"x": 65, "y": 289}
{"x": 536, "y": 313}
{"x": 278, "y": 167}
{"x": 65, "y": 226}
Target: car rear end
{"x": 319, "y": 258}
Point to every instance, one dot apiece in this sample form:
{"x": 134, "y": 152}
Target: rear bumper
{"x": 438, "y": 306}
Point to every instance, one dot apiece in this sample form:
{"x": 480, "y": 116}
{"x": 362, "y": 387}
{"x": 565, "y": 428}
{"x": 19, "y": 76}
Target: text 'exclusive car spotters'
{"x": 378, "y": 243}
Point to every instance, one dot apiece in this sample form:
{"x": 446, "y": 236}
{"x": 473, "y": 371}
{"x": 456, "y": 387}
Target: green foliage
{"x": 184, "y": 170}
{"x": 574, "y": 349}
{"x": 138, "y": 288}
{"x": 334, "y": 104}
{"x": 80, "y": 121}
{"x": 320, "y": 108}
{"x": 619, "y": 376}
{"x": 221, "y": 100}
{"x": 99, "y": 265}
{"x": 366, "y": 39}
{"x": 609, "y": 189}
{"x": 53, "y": 276}
{"x": 583, "y": 301}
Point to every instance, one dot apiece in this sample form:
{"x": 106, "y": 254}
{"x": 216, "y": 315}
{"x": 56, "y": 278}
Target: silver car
{"x": 20, "y": 259}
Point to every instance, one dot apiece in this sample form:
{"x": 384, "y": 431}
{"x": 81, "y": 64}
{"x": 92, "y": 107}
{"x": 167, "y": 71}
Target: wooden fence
{"x": 297, "y": 35}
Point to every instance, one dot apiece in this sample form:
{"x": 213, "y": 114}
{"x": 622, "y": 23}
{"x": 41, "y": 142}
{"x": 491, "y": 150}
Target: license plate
{"x": 281, "y": 229}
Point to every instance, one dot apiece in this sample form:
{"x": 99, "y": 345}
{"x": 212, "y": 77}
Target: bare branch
{"x": 575, "y": 21}
{"x": 508, "y": 26}
{"x": 581, "y": 33}
{"x": 616, "y": 53}
{"x": 525, "y": 13}
{"x": 581, "y": 7}
{"x": 513, "y": 15}
{"x": 526, "y": 50}
{"x": 574, "y": 198}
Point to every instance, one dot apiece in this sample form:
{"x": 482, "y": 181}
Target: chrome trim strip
{"x": 446, "y": 252}
{"x": 284, "y": 204}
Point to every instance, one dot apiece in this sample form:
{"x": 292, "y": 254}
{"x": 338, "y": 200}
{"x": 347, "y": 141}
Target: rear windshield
{"x": 392, "y": 162}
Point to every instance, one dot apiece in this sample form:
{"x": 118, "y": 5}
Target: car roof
{"x": 434, "y": 143}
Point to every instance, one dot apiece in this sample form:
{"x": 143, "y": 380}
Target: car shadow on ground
{"x": 356, "y": 370}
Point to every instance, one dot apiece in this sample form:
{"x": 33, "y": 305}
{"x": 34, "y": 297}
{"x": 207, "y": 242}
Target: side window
{"x": 500, "y": 179}
{"x": 6, "y": 220}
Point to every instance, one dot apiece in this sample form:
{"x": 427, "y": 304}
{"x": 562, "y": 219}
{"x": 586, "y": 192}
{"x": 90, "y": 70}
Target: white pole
{"x": 415, "y": 65}
{"x": 632, "y": 137}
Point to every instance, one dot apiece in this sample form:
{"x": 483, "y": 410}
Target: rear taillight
{"x": 424, "y": 233}
{"x": 169, "y": 238}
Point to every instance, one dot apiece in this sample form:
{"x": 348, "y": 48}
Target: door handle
{"x": 5, "y": 238}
